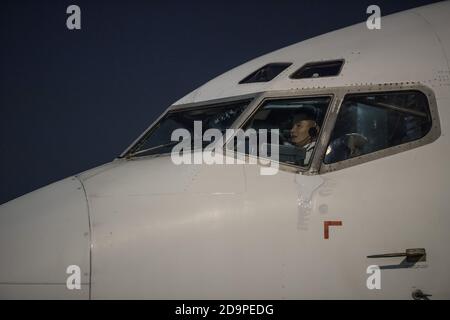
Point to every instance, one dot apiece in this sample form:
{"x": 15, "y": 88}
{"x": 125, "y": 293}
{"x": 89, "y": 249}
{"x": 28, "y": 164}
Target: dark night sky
{"x": 72, "y": 100}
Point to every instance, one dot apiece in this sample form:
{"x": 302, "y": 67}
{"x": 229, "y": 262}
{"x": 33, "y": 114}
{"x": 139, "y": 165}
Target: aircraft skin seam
{"x": 90, "y": 236}
{"x": 437, "y": 37}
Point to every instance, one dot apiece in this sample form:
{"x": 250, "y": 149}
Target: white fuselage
{"x": 147, "y": 228}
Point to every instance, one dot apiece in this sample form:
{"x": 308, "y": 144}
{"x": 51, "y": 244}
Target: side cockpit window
{"x": 298, "y": 121}
{"x": 375, "y": 121}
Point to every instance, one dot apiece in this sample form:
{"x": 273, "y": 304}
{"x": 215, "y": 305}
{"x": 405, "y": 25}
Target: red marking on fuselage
{"x": 326, "y": 224}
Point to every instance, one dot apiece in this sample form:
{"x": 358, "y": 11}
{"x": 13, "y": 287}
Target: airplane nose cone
{"x": 41, "y": 234}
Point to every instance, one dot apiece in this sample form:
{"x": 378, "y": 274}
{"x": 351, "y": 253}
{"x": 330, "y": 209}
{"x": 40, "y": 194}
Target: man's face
{"x": 300, "y": 132}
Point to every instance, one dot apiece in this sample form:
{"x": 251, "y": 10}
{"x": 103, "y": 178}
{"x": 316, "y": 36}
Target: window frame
{"x": 316, "y": 165}
{"x": 244, "y": 81}
{"x": 287, "y": 95}
{"x": 311, "y": 63}
{"x": 190, "y": 106}
{"x": 432, "y": 135}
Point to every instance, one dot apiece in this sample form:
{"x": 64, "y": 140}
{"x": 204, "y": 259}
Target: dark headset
{"x": 313, "y": 132}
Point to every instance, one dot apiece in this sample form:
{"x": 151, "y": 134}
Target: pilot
{"x": 304, "y": 133}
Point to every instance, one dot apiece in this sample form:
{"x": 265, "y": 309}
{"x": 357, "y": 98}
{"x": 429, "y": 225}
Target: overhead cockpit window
{"x": 159, "y": 139}
{"x": 266, "y": 73}
{"x": 374, "y": 121}
{"x": 298, "y": 121}
{"x": 319, "y": 70}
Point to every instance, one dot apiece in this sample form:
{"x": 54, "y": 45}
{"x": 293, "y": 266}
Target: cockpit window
{"x": 266, "y": 73}
{"x": 298, "y": 121}
{"x": 319, "y": 69}
{"x": 374, "y": 121}
{"x": 158, "y": 139}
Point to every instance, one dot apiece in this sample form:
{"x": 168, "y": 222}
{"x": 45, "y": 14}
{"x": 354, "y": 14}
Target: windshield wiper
{"x": 165, "y": 145}
{"x": 149, "y": 150}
